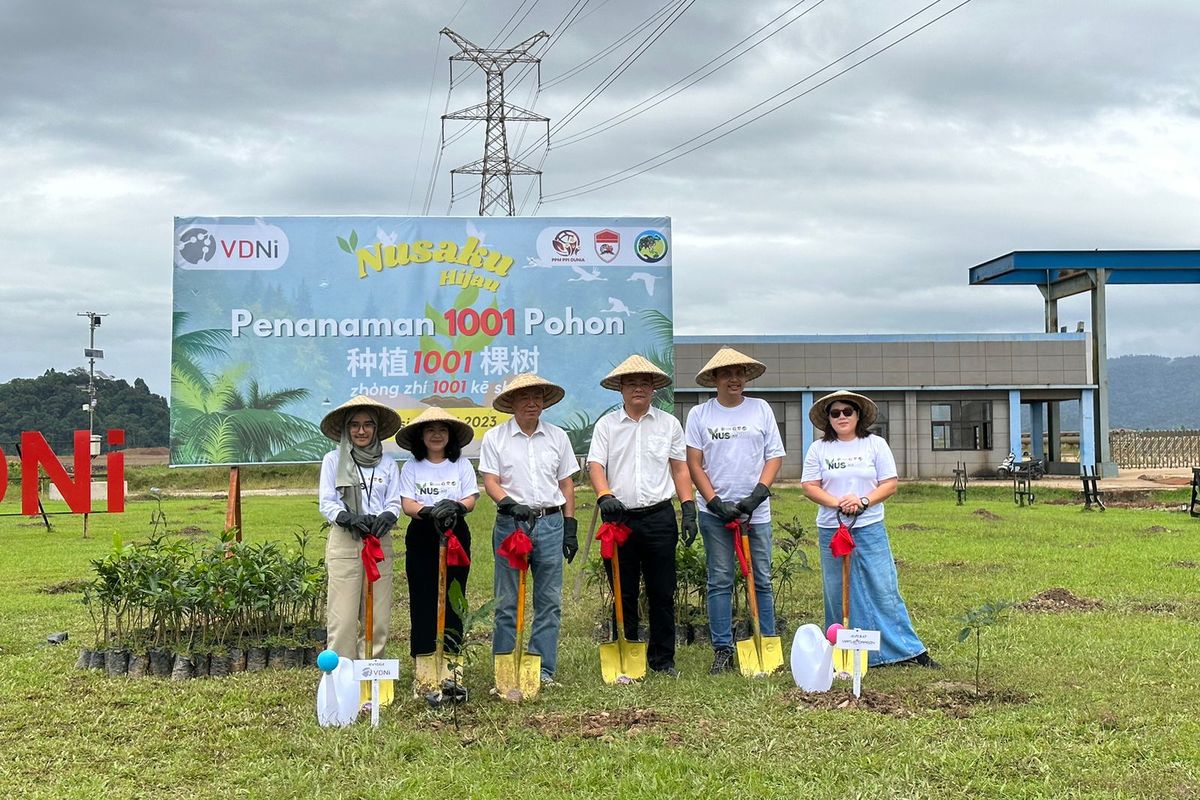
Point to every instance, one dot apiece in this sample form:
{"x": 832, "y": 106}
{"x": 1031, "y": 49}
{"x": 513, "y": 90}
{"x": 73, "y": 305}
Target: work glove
{"x": 362, "y": 524}
{"x": 724, "y": 511}
{"x": 343, "y": 519}
{"x": 689, "y": 527}
{"x": 570, "y": 538}
{"x": 755, "y": 499}
{"x": 518, "y": 511}
{"x": 383, "y": 524}
{"x": 447, "y": 513}
{"x": 611, "y": 509}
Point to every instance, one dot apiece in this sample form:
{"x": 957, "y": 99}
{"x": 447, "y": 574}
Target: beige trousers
{"x": 345, "y": 605}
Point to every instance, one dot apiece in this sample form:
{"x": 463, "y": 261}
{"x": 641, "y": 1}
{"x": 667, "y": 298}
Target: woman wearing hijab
{"x": 360, "y": 496}
{"x": 438, "y": 489}
{"x": 849, "y": 472}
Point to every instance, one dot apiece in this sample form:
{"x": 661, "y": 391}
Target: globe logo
{"x": 196, "y": 245}
{"x": 650, "y": 246}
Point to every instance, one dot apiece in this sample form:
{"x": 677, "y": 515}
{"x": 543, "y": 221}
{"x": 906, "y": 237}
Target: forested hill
{"x": 1154, "y": 392}
{"x": 53, "y": 404}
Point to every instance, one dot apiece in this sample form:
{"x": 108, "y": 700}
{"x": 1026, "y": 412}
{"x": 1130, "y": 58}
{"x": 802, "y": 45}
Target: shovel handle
{"x": 751, "y": 592}
{"x": 846, "y": 590}
{"x": 517, "y": 647}
{"x": 369, "y": 618}
{"x": 441, "y": 602}
{"x": 618, "y": 607}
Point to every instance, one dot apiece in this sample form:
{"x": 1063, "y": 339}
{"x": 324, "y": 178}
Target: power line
{"x": 608, "y": 50}
{"x": 634, "y": 171}
{"x": 412, "y": 187}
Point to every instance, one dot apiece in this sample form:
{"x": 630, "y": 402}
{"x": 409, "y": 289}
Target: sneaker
{"x": 921, "y": 659}
{"x": 548, "y": 681}
{"x": 722, "y": 661}
{"x": 669, "y": 672}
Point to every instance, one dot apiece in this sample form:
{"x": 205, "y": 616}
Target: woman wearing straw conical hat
{"x": 734, "y": 452}
{"x": 637, "y": 462}
{"x": 850, "y": 471}
{"x": 359, "y": 494}
{"x": 527, "y": 465}
{"x": 438, "y": 488}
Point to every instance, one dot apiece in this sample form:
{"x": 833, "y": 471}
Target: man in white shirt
{"x": 734, "y": 452}
{"x": 637, "y": 463}
{"x": 527, "y": 466}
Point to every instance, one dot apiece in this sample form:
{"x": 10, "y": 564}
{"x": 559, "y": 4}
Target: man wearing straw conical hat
{"x": 637, "y": 463}
{"x": 734, "y": 452}
{"x": 360, "y": 496}
{"x": 527, "y": 465}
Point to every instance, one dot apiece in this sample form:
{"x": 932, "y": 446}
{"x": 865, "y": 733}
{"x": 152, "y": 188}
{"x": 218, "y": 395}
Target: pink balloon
{"x": 831, "y": 632}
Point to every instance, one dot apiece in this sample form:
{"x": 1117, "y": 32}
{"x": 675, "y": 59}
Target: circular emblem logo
{"x": 566, "y": 243}
{"x": 196, "y": 245}
{"x": 650, "y": 246}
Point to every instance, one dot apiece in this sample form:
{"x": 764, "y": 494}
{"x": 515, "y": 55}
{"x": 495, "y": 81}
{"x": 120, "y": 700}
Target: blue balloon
{"x": 327, "y": 661}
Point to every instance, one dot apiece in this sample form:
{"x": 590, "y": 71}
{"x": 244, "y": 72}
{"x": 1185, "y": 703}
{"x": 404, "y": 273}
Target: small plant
{"x": 974, "y": 621}
{"x": 467, "y": 646}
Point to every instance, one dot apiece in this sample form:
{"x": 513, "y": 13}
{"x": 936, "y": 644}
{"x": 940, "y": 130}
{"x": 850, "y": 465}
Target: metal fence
{"x": 1155, "y": 449}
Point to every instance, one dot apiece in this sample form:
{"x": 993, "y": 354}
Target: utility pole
{"x": 497, "y": 167}
{"x": 91, "y": 353}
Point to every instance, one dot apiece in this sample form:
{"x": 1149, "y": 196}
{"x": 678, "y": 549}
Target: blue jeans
{"x": 875, "y": 602}
{"x": 546, "y": 571}
{"x": 722, "y": 569}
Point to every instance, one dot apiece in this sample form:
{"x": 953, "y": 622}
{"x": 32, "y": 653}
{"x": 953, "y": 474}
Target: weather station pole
{"x": 91, "y": 354}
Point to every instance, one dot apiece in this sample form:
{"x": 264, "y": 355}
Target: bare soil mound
{"x": 955, "y": 699}
{"x": 983, "y": 513}
{"x": 598, "y": 724}
{"x": 1059, "y": 599}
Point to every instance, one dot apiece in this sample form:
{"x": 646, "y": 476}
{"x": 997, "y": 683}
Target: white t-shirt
{"x": 737, "y": 443}
{"x": 427, "y": 482}
{"x": 529, "y": 467}
{"x": 854, "y": 467}
{"x": 636, "y": 455}
{"x": 379, "y": 488}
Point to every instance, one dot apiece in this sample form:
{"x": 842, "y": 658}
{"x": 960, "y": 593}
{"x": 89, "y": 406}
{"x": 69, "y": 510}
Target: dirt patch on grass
{"x": 1059, "y": 599}
{"x": 1184, "y": 564}
{"x": 192, "y": 530}
{"x": 65, "y": 587}
{"x": 1156, "y": 608}
{"x": 1157, "y": 529}
{"x": 955, "y": 699}
{"x": 598, "y": 724}
{"x": 983, "y": 513}
{"x": 911, "y": 526}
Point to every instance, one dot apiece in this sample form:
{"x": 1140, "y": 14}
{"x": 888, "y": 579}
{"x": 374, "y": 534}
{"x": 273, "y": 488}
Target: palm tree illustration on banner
{"x": 214, "y": 422}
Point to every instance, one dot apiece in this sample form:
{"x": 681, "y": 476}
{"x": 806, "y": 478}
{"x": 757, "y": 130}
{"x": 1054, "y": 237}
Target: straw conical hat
{"x": 635, "y": 365}
{"x": 460, "y": 430}
{"x": 389, "y": 420}
{"x": 818, "y": 415}
{"x": 503, "y": 401}
{"x": 728, "y": 357}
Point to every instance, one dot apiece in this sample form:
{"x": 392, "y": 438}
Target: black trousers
{"x": 422, "y": 543}
{"x": 649, "y": 553}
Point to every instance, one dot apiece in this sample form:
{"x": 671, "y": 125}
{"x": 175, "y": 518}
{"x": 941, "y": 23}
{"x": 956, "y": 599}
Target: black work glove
{"x": 753, "y": 500}
{"x": 447, "y": 513}
{"x": 362, "y": 524}
{"x": 570, "y": 538}
{"x": 343, "y": 519}
{"x": 724, "y": 511}
{"x": 689, "y": 528}
{"x": 383, "y": 524}
{"x": 611, "y": 509}
{"x": 518, "y": 511}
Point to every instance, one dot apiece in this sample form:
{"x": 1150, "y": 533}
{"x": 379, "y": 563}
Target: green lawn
{"x": 1098, "y": 703}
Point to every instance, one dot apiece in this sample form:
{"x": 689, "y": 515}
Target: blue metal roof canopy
{"x": 1063, "y": 273}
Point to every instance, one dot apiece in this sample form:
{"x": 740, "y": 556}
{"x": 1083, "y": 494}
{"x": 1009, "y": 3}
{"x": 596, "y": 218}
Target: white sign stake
{"x": 857, "y": 641}
{"x": 375, "y": 670}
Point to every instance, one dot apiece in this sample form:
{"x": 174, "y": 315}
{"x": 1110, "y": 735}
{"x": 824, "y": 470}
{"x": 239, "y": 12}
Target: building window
{"x": 962, "y": 425}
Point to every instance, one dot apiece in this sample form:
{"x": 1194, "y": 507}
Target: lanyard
{"x": 366, "y": 487}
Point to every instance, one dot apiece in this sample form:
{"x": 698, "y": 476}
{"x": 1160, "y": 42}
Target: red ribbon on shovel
{"x": 516, "y": 548}
{"x": 372, "y": 554}
{"x": 842, "y": 543}
{"x": 456, "y": 555}
{"x": 736, "y": 528}
{"x": 612, "y": 535}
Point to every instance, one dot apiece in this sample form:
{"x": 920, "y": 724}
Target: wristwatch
{"x": 864, "y": 501}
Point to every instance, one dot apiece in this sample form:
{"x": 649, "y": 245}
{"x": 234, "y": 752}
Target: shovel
{"x": 431, "y": 670}
{"x": 387, "y": 691}
{"x": 518, "y": 674}
{"x": 758, "y": 655}
{"x": 622, "y": 661}
{"x": 842, "y": 543}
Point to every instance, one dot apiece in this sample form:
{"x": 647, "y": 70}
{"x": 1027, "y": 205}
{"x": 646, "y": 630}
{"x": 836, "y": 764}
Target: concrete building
{"x": 943, "y": 398}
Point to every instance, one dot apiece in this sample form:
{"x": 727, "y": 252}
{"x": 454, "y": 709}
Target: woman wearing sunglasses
{"x": 850, "y": 471}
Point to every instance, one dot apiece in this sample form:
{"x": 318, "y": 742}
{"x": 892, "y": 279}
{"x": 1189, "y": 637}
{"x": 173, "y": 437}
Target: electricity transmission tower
{"x": 497, "y": 167}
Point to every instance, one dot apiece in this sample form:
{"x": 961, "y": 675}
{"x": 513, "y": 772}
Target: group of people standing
{"x": 640, "y": 461}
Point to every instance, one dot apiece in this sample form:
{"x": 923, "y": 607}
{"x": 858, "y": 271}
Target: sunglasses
{"x": 834, "y": 413}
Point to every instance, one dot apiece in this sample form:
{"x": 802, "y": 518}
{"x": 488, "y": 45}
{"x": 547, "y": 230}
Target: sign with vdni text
{"x": 279, "y": 319}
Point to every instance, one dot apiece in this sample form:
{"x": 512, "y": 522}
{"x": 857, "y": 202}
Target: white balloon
{"x": 812, "y": 659}
{"x": 337, "y": 696}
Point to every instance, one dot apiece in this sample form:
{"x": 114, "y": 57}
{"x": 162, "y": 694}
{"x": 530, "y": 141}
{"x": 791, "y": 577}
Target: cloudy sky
{"x": 857, "y": 208}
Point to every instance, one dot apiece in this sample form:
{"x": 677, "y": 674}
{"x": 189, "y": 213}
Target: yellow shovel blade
{"x": 518, "y": 681}
{"x": 749, "y": 661}
{"x": 630, "y": 655}
{"x": 430, "y": 672}
{"x": 843, "y": 661}
{"x": 387, "y": 692}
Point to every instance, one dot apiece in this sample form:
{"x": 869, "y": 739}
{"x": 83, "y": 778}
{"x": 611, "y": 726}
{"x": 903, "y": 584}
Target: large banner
{"x": 280, "y": 319}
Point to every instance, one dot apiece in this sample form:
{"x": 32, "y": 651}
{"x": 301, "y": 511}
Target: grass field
{"x": 1083, "y": 702}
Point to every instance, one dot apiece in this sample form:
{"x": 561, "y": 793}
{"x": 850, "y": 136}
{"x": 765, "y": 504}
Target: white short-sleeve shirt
{"x": 529, "y": 466}
{"x": 736, "y": 443}
{"x": 636, "y": 455}
{"x": 428, "y": 482}
{"x": 854, "y": 467}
